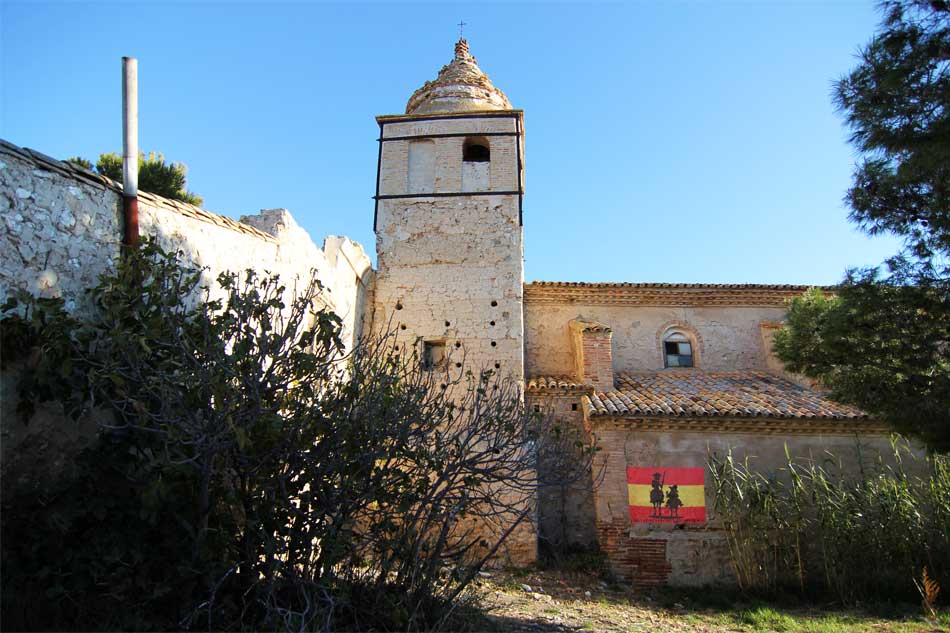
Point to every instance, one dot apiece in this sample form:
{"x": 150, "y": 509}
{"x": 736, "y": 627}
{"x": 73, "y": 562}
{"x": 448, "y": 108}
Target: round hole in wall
{"x": 458, "y": 344}
{"x": 444, "y": 386}
{"x": 447, "y": 324}
{"x": 402, "y": 327}
{"x": 458, "y": 364}
{"x": 491, "y": 323}
{"x": 494, "y": 304}
{"x": 399, "y": 306}
{"x": 497, "y": 365}
{"x": 493, "y": 343}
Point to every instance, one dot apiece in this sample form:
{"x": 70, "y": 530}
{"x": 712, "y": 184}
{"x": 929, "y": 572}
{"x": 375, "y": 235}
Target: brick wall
{"x": 593, "y": 354}
{"x": 637, "y": 560}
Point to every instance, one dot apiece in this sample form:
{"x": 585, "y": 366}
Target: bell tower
{"x": 449, "y": 188}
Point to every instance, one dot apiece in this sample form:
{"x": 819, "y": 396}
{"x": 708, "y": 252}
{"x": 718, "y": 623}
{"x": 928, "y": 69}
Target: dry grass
{"x": 561, "y": 602}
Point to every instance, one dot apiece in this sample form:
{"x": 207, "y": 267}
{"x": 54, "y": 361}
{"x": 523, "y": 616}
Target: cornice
{"x": 662, "y": 294}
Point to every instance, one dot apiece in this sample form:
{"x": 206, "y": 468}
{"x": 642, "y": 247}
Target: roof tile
{"x": 696, "y": 393}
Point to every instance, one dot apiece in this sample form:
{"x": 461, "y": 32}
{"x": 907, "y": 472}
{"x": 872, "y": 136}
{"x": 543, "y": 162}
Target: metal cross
{"x": 461, "y": 28}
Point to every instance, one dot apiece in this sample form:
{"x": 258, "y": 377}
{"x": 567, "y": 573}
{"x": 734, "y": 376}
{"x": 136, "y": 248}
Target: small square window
{"x": 433, "y": 354}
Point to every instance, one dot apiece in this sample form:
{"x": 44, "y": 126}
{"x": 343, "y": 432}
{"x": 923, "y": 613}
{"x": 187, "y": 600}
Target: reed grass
{"x": 811, "y": 527}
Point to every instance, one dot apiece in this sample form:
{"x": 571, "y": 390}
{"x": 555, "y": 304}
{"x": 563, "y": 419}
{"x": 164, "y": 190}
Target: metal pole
{"x": 130, "y": 150}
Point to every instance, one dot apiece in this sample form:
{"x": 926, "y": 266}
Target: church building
{"x": 658, "y": 375}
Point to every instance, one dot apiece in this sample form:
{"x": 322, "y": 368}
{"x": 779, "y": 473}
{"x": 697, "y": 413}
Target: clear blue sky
{"x": 674, "y": 141}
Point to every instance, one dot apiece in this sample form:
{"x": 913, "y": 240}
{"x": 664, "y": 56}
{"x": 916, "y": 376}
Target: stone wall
{"x": 450, "y": 265}
{"x": 63, "y": 228}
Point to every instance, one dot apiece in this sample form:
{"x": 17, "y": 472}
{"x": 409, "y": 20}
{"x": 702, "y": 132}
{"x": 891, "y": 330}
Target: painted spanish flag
{"x": 666, "y": 495}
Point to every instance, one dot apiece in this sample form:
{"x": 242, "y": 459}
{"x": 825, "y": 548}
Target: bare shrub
{"x": 249, "y": 474}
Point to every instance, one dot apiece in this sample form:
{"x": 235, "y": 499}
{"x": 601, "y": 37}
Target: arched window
{"x": 677, "y": 350}
{"x": 476, "y": 150}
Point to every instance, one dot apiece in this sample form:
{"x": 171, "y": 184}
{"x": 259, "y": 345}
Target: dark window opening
{"x": 433, "y": 354}
{"x": 678, "y": 351}
{"x": 476, "y": 151}
{"x": 573, "y": 406}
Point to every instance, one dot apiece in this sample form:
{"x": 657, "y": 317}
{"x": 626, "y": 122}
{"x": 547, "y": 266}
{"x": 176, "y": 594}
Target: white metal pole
{"x": 130, "y": 126}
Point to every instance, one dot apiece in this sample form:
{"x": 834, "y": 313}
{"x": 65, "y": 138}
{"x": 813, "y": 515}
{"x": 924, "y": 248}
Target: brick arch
{"x": 689, "y": 331}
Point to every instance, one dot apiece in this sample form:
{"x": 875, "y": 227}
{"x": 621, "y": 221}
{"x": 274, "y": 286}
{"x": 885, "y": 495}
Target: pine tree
{"x": 155, "y": 176}
{"x": 883, "y": 342}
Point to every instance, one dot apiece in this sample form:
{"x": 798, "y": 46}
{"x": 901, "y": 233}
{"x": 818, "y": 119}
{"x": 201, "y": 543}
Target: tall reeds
{"x": 812, "y": 526}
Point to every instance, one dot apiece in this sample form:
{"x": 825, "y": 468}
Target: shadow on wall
{"x": 63, "y": 229}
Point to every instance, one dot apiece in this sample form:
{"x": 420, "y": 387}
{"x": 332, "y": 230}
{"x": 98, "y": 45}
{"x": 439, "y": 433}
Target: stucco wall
{"x": 730, "y": 336}
{"x": 697, "y": 554}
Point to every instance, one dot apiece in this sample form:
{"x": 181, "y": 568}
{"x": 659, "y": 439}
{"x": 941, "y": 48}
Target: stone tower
{"x": 448, "y": 223}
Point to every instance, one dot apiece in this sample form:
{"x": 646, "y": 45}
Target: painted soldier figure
{"x": 656, "y": 495}
{"x": 673, "y": 501}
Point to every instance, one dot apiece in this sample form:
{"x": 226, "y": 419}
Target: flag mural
{"x": 666, "y": 495}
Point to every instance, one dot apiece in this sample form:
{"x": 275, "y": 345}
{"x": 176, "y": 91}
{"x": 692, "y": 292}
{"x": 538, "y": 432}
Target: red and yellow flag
{"x": 666, "y": 495}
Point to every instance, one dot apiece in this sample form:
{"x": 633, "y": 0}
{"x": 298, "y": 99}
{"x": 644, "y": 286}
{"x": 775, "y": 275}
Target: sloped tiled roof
{"x": 554, "y": 382}
{"x": 695, "y": 393}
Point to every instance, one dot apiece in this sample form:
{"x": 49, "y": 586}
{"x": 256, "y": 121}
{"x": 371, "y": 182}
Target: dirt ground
{"x": 559, "y": 602}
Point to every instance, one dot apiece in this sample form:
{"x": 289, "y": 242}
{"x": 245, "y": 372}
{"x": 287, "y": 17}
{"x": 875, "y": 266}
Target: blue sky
{"x": 673, "y": 141}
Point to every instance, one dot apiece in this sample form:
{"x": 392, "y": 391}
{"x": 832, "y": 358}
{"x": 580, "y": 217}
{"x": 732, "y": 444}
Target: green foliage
{"x": 895, "y": 105}
{"x": 809, "y": 526}
{"x": 246, "y": 475}
{"x": 882, "y": 343}
{"x": 155, "y": 176}
{"x": 881, "y": 347}
{"x": 80, "y": 161}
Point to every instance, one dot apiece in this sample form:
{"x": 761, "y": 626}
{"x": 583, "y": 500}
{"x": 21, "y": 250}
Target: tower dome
{"x": 460, "y": 87}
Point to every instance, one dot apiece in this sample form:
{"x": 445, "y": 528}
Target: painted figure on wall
{"x": 673, "y": 501}
{"x": 656, "y": 495}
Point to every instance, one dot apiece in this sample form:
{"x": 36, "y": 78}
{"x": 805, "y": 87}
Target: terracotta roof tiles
{"x": 734, "y": 394}
{"x": 538, "y": 383}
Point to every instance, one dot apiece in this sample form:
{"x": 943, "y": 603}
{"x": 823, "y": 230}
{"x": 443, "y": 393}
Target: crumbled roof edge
{"x": 71, "y": 170}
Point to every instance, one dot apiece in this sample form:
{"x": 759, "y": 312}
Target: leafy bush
{"x": 248, "y": 474}
{"x": 810, "y": 526}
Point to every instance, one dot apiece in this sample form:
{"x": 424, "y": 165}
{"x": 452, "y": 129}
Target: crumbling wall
{"x": 450, "y": 267}
{"x": 449, "y": 251}
{"x": 62, "y": 230}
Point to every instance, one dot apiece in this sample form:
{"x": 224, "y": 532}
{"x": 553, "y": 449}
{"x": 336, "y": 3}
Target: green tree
{"x": 155, "y": 176}
{"x": 883, "y": 342}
